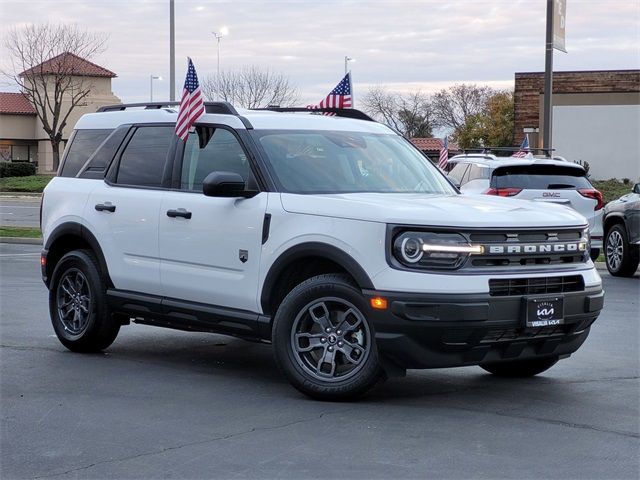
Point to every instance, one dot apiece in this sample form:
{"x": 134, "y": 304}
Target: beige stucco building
{"x": 22, "y": 137}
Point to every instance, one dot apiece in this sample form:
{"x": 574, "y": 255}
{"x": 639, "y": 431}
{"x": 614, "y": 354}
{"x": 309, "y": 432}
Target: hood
{"x": 482, "y": 211}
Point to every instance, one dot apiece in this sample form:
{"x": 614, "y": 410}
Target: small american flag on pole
{"x": 524, "y": 148}
{"x": 191, "y": 105}
{"x": 339, "y": 97}
{"x": 444, "y": 154}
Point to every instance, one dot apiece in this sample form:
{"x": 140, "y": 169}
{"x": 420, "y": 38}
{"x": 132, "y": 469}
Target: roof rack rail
{"x": 224, "y": 108}
{"x": 486, "y": 150}
{"x": 338, "y": 112}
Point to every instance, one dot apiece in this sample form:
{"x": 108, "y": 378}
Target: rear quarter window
{"x": 82, "y": 146}
{"x": 539, "y": 177}
{"x": 100, "y": 160}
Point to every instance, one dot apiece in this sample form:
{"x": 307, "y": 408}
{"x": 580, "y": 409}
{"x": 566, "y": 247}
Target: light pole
{"x": 346, "y": 63}
{"x": 151, "y": 79}
{"x": 172, "y": 51}
{"x": 224, "y": 31}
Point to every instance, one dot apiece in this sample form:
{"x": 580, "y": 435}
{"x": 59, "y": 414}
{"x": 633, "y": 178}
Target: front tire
{"x": 78, "y": 304}
{"x": 323, "y": 342}
{"x": 621, "y": 258}
{"x": 520, "y": 368}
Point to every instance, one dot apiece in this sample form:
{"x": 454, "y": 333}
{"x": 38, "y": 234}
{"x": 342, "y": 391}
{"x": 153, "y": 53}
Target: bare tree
{"x": 453, "y": 106}
{"x": 250, "y": 87}
{"x": 410, "y": 114}
{"x": 43, "y": 63}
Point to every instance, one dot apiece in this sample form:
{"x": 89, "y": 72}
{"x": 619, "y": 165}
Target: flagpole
{"x": 548, "y": 79}
{"x": 172, "y": 52}
{"x": 353, "y": 97}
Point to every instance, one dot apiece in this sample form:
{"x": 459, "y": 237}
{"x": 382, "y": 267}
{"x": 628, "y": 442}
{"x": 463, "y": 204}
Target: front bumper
{"x": 450, "y": 330}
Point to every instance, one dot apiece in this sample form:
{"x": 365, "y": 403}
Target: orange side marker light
{"x": 378, "y": 303}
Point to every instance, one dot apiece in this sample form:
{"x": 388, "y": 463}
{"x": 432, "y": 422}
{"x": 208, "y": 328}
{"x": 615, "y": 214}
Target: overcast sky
{"x": 405, "y": 45}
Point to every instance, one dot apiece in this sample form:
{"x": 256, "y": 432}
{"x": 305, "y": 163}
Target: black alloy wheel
{"x": 323, "y": 341}
{"x": 78, "y": 305}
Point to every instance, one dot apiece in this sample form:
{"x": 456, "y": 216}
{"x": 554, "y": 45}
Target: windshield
{"x": 344, "y": 162}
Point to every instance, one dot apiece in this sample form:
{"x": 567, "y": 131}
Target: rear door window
{"x": 539, "y": 177}
{"x": 143, "y": 160}
{"x": 83, "y": 145}
{"x": 458, "y": 172}
{"x": 477, "y": 172}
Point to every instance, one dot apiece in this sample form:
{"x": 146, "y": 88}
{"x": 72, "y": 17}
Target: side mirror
{"x": 225, "y": 184}
{"x": 636, "y": 188}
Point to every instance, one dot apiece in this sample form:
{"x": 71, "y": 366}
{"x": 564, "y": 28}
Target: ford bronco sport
{"x": 331, "y": 237}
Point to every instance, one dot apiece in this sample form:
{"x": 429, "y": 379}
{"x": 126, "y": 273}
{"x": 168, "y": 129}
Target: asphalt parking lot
{"x": 20, "y": 211}
{"x": 168, "y": 404}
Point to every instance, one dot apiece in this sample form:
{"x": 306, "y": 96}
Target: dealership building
{"x": 596, "y": 118}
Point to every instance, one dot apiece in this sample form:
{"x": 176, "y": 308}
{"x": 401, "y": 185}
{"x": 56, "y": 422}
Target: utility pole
{"x": 172, "y": 51}
{"x": 548, "y": 79}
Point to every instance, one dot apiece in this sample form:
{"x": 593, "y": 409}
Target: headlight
{"x": 430, "y": 250}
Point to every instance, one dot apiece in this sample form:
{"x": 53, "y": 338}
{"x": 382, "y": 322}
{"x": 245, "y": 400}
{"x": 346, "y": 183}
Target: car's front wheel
{"x": 323, "y": 341}
{"x": 78, "y": 304}
{"x": 621, "y": 258}
{"x": 520, "y": 368}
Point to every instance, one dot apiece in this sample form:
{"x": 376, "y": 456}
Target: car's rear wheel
{"x": 323, "y": 342}
{"x": 78, "y": 304}
{"x": 520, "y": 368}
{"x": 621, "y": 258}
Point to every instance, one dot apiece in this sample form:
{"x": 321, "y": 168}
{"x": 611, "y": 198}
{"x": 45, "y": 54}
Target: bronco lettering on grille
{"x": 535, "y": 248}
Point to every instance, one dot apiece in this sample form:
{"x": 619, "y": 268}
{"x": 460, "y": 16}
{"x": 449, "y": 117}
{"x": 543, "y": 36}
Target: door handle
{"x": 106, "y": 206}
{"x": 180, "y": 212}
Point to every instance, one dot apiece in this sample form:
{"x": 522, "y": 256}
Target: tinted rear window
{"x": 539, "y": 177}
{"x": 105, "y": 153}
{"x": 82, "y": 146}
{"x": 143, "y": 159}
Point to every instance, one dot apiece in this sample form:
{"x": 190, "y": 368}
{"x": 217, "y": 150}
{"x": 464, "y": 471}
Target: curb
{"x": 20, "y": 195}
{"x": 21, "y": 240}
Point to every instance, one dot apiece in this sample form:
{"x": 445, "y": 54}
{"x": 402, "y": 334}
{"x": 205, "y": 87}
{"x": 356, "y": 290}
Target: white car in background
{"x": 540, "y": 179}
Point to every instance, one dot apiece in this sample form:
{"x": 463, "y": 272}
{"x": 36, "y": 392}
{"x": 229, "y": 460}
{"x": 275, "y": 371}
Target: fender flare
{"x": 313, "y": 249}
{"x": 77, "y": 230}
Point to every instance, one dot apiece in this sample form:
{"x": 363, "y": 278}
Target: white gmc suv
{"x": 329, "y": 236}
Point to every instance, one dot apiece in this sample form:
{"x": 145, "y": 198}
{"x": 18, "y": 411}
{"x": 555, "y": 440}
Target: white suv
{"x": 540, "y": 179}
{"x": 330, "y": 237}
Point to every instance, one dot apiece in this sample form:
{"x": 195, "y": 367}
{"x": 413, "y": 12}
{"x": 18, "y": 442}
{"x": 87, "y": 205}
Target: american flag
{"x": 444, "y": 154}
{"x": 524, "y": 148}
{"x": 339, "y": 97}
{"x": 191, "y": 105}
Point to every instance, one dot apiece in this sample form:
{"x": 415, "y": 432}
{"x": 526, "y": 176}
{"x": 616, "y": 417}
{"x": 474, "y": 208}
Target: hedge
{"x": 18, "y": 169}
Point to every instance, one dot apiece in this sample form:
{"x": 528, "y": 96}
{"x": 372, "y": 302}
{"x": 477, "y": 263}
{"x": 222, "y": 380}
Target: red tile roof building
{"x": 22, "y": 137}
{"x": 16, "y": 104}
{"x": 69, "y": 64}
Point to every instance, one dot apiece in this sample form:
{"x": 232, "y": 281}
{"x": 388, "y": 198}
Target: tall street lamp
{"x": 224, "y": 31}
{"x": 151, "y": 79}
{"x": 346, "y": 63}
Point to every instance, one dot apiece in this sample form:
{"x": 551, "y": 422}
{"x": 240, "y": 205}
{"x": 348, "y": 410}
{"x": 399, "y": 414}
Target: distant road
{"x": 20, "y": 212}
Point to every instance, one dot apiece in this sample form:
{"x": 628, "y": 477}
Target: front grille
{"x": 535, "y": 286}
{"x": 540, "y": 248}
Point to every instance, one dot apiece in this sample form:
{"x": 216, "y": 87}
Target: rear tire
{"x": 520, "y": 368}
{"x": 78, "y": 304}
{"x": 323, "y": 343}
{"x": 594, "y": 254}
{"x": 621, "y": 258}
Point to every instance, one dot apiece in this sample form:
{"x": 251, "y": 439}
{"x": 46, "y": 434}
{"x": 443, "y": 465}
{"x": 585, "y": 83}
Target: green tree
{"x": 492, "y": 126}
